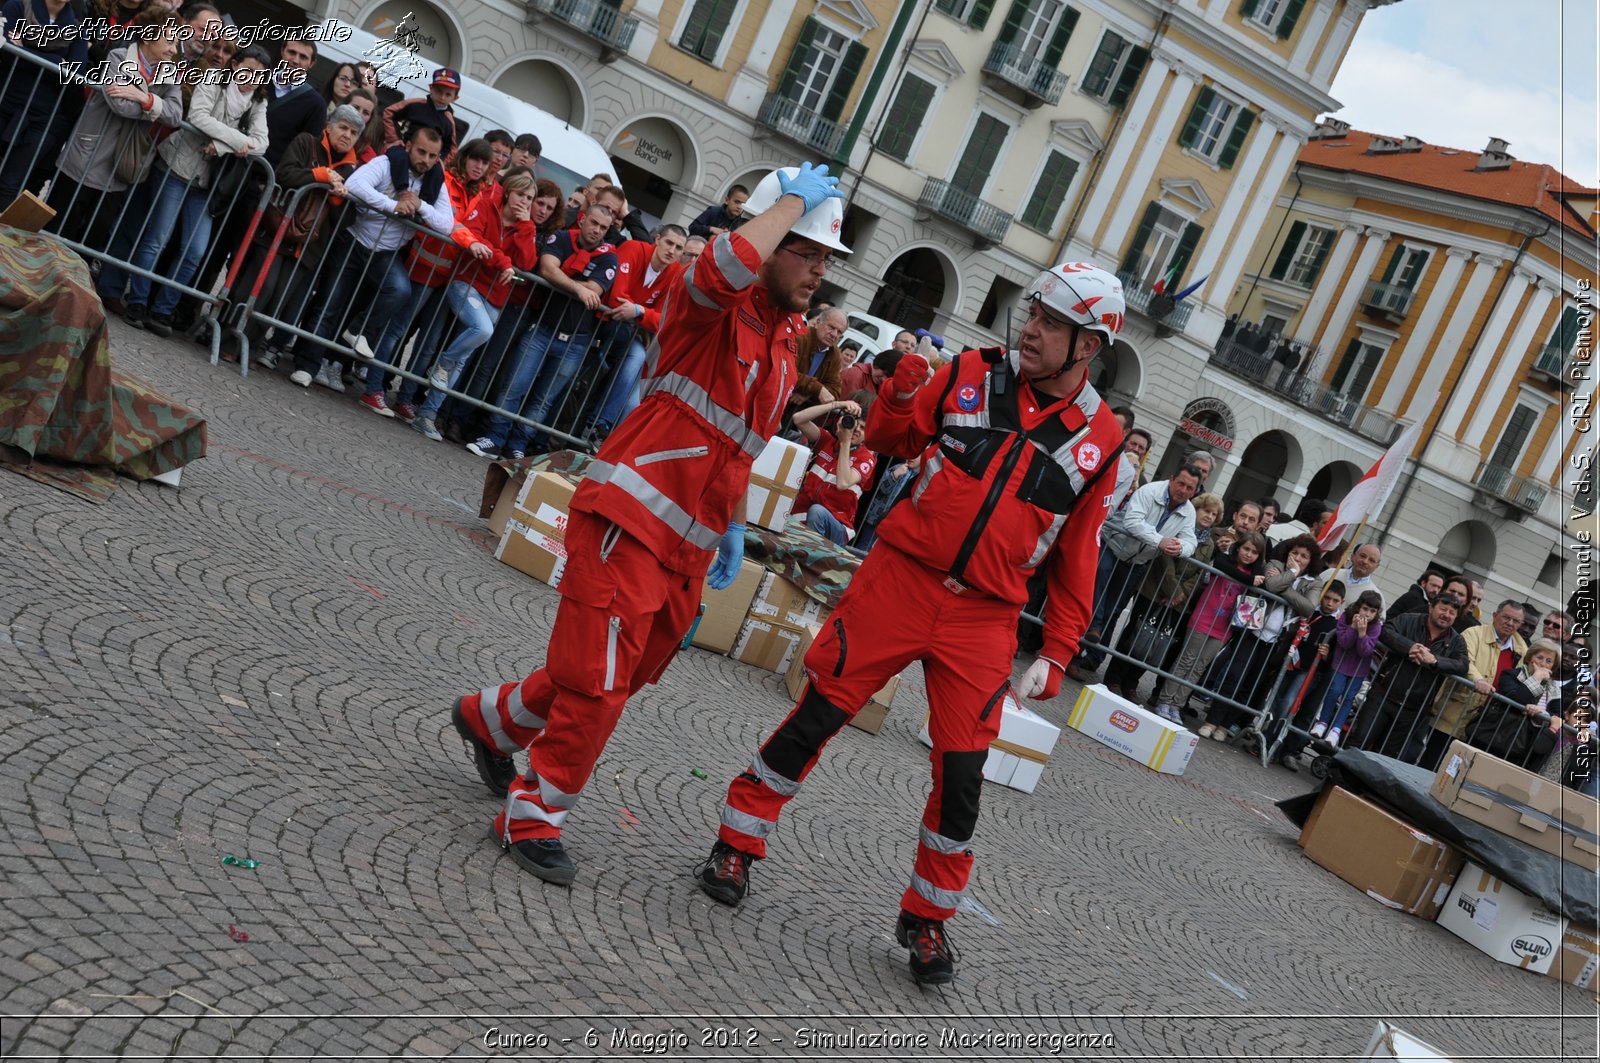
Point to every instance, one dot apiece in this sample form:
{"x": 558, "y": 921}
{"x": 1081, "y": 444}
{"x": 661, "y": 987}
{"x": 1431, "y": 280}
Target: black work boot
{"x": 725, "y": 876}
{"x": 495, "y": 770}
{"x": 545, "y": 858}
{"x": 933, "y": 960}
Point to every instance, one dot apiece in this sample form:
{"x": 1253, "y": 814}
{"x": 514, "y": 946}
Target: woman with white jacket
{"x": 229, "y": 116}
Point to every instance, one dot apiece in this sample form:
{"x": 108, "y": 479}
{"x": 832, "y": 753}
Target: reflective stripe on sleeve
{"x": 1046, "y": 540}
{"x": 734, "y": 271}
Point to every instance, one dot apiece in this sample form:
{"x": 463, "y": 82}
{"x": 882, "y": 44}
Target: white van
{"x": 571, "y": 157}
{"x": 873, "y": 333}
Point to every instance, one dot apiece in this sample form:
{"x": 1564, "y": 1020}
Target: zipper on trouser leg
{"x": 613, "y": 630}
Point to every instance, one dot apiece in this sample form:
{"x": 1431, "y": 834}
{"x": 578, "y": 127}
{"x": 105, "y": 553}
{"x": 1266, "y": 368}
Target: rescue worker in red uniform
{"x": 664, "y": 495}
{"x": 1019, "y": 458}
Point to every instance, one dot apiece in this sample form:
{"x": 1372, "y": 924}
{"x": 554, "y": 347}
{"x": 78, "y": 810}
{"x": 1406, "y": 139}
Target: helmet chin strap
{"x": 1070, "y": 364}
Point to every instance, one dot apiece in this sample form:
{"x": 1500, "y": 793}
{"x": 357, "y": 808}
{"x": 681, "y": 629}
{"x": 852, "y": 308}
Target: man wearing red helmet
{"x": 1018, "y": 470}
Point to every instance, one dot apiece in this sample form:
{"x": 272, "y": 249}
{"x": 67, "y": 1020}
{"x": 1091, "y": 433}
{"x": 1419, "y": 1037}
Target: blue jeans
{"x": 1337, "y": 704}
{"x": 426, "y": 348}
{"x": 1114, "y": 582}
{"x": 363, "y": 267}
{"x": 175, "y": 208}
{"x": 529, "y": 358}
{"x": 477, "y": 317}
{"x": 825, "y": 524}
{"x": 623, "y": 393}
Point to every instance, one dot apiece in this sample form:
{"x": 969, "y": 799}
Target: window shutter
{"x": 1249, "y": 7}
{"x": 1291, "y": 15}
{"x": 906, "y": 114}
{"x": 979, "y": 17}
{"x": 1059, "y": 39}
{"x": 802, "y": 48}
{"x": 1236, "y": 135}
{"x": 1098, "y": 78}
{"x": 1346, "y": 364}
{"x": 849, "y": 69}
{"x": 1191, "y": 128}
{"x": 1141, "y": 235}
{"x": 1286, "y": 253}
{"x": 1013, "y": 23}
{"x": 1567, "y": 329}
{"x": 1130, "y": 76}
{"x": 1180, "y": 258}
{"x": 1421, "y": 260}
{"x": 1394, "y": 264}
{"x": 1054, "y": 179}
{"x": 1315, "y": 269}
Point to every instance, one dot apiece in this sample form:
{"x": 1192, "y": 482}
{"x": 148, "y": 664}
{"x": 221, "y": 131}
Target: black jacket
{"x": 1402, "y": 682}
{"x": 300, "y": 110}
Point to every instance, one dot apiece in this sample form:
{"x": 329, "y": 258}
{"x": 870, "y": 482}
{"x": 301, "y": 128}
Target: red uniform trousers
{"x": 621, "y": 619}
{"x": 897, "y": 610}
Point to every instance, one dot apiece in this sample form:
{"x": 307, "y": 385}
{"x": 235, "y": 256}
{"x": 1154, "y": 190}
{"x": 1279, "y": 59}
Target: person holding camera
{"x": 832, "y": 488}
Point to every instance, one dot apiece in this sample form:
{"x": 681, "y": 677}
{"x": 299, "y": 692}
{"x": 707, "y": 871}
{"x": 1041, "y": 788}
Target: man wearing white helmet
{"x": 663, "y": 497}
{"x": 1018, "y": 468}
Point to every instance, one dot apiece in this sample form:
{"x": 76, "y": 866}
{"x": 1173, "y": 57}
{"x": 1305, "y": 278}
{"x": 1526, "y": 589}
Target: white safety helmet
{"x": 821, "y": 224}
{"x": 1084, "y": 294}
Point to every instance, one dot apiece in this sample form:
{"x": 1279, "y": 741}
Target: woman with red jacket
{"x": 504, "y": 239}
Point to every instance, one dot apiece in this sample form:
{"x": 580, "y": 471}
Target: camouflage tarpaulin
{"x": 66, "y": 416}
{"x": 799, "y": 555}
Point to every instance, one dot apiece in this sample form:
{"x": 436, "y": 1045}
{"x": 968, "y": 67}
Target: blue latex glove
{"x": 730, "y": 555}
{"x": 813, "y": 184}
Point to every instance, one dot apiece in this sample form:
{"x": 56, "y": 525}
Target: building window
{"x": 1566, "y": 333}
{"x": 707, "y": 25}
{"x": 1301, "y": 257}
{"x": 977, "y": 160}
{"x": 821, "y": 71}
{"x": 1519, "y": 426}
{"x": 995, "y": 313}
{"x": 1161, "y": 248}
{"x": 905, "y": 117}
{"x": 1114, "y": 70}
{"x": 1050, "y": 194}
{"x": 1357, "y": 368}
{"x": 1031, "y": 27}
{"x": 1406, "y": 267}
{"x": 1277, "y": 17}
{"x": 1216, "y": 127}
{"x": 974, "y": 13}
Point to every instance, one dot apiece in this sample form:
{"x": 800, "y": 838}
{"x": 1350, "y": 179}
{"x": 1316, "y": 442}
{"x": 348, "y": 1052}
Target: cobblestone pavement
{"x": 260, "y": 664}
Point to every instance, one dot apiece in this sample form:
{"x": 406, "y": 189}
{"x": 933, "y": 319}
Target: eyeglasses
{"x": 814, "y": 259}
{"x": 1553, "y": 623}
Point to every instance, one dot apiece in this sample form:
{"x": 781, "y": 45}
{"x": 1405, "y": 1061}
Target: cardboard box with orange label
{"x": 1130, "y": 730}
{"x": 534, "y": 540}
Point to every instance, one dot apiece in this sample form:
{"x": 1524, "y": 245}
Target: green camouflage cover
{"x": 798, "y": 554}
{"x": 67, "y": 417}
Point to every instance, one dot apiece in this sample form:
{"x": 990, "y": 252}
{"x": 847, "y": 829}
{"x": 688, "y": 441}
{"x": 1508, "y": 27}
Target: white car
{"x": 874, "y": 334}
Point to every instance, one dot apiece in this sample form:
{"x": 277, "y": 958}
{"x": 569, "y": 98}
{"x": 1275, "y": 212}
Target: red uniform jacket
{"x": 718, "y": 376}
{"x": 821, "y": 485}
{"x": 433, "y": 258}
{"x": 1008, "y": 483}
{"x": 515, "y": 245}
{"x": 633, "y": 262}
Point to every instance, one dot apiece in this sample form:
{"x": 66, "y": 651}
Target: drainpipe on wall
{"x": 897, "y": 31}
{"x": 1100, "y": 156}
{"x": 1427, "y": 436}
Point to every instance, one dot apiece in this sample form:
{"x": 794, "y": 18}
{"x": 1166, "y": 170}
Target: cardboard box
{"x": 777, "y": 601}
{"x": 1501, "y": 921}
{"x": 1383, "y": 856}
{"x": 1019, "y": 753}
{"x": 1391, "y": 1042}
{"x": 500, "y": 516}
{"x": 871, "y": 715}
{"x": 725, "y": 610}
{"x": 534, "y": 540}
{"x": 774, "y": 483}
{"x": 766, "y": 645}
{"x": 1519, "y": 804}
{"x": 1130, "y": 730}
{"x": 1577, "y": 961}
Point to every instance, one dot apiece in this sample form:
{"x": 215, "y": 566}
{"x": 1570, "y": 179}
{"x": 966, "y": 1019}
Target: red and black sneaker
{"x": 495, "y": 770}
{"x": 933, "y": 958}
{"x": 725, "y": 876}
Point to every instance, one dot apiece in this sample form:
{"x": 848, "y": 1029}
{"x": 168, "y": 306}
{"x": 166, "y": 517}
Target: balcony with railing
{"x": 1040, "y": 83}
{"x": 1502, "y": 482}
{"x": 1302, "y": 390}
{"x": 596, "y": 19}
{"x": 953, "y": 8}
{"x": 1157, "y": 306}
{"x": 1391, "y": 301}
{"x": 800, "y": 124}
{"x": 1551, "y": 360}
{"x": 985, "y": 221}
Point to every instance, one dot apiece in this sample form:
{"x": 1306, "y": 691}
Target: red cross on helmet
{"x": 1084, "y": 294}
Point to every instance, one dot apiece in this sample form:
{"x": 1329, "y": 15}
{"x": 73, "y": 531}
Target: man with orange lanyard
{"x": 1016, "y": 447}
{"x": 662, "y": 498}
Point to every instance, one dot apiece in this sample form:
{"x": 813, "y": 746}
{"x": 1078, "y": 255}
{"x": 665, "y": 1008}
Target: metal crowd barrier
{"x": 117, "y": 231}
{"x": 289, "y": 293}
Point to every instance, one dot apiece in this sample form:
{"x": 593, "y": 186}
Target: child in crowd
{"x": 1307, "y": 671}
{"x": 832, "y": 488}
{"x": 1212, "y": 620}
{"x": 1354, "y": 643}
